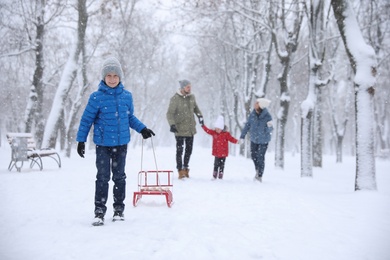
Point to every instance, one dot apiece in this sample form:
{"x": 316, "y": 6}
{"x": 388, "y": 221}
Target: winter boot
{"x": 220, "y": 175}
{"x": 186, "y": 172}
{"x": 182, "y": 174}
{"x": 98, "y": 220}
{"x": 214, "y": 174}
{"x": 258, "y": 176}
{"x": 118, "y": 216}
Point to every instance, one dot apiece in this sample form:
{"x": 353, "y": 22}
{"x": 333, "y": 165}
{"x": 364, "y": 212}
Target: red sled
{"x": 156, "y": 182}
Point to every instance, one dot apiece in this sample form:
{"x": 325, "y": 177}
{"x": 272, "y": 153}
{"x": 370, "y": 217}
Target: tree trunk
{"x": 306, "y": 146}
{"x": 362, "y": 59}
{"x": 308, "y": 107}
{"x": 316, "y": 56}
{"x": 317, "y": 130}
{"x": 281, "y": 131}
{"x": 67, "y": 78}
{"x": 312, "y": 106}
{"x": 70, "y": 127}
{"x": 339, "y": 148}
{"x": 33, "y": 114}
{"x": 339, "y": 133}
{"x": 285, "y": 55}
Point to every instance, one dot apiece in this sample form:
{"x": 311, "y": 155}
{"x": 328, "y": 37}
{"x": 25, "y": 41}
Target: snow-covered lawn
{"x": 47, "y": 215}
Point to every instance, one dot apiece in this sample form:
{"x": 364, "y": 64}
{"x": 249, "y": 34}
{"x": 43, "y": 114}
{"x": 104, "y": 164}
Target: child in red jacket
{"x": 220, "y": 149}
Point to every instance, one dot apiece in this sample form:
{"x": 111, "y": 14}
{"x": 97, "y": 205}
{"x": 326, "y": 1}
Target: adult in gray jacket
{"x": 260, "y": 127}
{"x": 180, "y": 116}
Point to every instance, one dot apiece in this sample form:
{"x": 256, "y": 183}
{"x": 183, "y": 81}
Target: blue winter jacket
{"x": 111, "y": 111}
{"x": 259, "y": 132}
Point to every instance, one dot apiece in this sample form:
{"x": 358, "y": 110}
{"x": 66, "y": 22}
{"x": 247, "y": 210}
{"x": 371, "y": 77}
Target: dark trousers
{"x": 258, "y": 155}
{"x": 110, "y": 159}
{"x": 182, "y": 163}
{"x": 219, "y": 164}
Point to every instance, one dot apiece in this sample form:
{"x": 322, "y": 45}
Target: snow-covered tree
{"x": 311, "y": 126}
{"x": 33, "y": 17}
{"x": 83, "y": 81}
{"x": 33, "y": 113}
{"x": 363, "y": 61}
{"x": 374, "y": 17}
{"x": 286, "y": 20}
{"x": 235, "y": 56}
{"x": 56, "y": 119}
{"x": 339, "y": 101}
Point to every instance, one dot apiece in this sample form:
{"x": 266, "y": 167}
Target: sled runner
{"x": 154, "y": 182}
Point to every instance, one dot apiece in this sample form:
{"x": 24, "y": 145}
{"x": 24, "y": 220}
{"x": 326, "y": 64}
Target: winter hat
{"x": 263, "y": 102}
{"x": 219, "y": 123}
{"x": 183, "y": 83}
{"x": 112, "y": 64}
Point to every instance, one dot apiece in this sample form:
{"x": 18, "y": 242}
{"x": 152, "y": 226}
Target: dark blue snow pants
{"x": 110, "y": 159}
{"x": 258, "y": 155}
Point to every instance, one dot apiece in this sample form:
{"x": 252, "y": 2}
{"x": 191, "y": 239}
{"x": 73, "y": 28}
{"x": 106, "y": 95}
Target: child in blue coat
{"x": 259, "y": 125}
{"x": 110, "y": 110}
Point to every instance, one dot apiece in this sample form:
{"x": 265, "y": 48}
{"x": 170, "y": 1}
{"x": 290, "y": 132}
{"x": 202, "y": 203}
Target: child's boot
{"x": 220, "y": 175}
{"x": 215, "y": 174}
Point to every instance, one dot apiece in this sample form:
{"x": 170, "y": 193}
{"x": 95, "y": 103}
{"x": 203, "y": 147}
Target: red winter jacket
{"x": 220, "y": 142}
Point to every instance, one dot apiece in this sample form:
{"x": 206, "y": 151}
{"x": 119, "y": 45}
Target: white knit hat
{"x": 263, "y": 102}
{"x": 219, "y": 123}
{"x": 112, "y": 64}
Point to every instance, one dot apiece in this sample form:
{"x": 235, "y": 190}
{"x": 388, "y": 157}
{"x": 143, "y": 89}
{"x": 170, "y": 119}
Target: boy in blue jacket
{"x": 259, "y": 125}
{"x": 110, "y": 110}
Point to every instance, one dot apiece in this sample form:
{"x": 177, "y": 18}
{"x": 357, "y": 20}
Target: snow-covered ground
{"x": 47, "y": 215}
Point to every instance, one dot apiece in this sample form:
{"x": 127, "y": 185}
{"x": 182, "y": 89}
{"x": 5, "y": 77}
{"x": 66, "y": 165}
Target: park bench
{"x": 24, "y": 149}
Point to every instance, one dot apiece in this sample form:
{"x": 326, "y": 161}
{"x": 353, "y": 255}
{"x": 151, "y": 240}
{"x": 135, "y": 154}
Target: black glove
{"x": 173, "y": 129}
{"x": 81, "y": 149}
{"x": 201, "y": 122}
{"x": 146, "y": 133}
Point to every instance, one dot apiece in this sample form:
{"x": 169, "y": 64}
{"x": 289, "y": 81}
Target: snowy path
{"x": 47, "y": 215}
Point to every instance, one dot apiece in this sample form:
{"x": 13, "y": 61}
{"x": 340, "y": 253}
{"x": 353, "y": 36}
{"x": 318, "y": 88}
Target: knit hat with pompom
{"x": 263, "y": 102}
{"x": 112, "y": 65}
{"x": 219, "y": 123}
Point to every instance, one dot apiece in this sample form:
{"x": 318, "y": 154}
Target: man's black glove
{"x": 81, "y": 149}
{"x": 201, "y": 122}
{"x": 173, "y": 129}
{"x": 146, "y": 133}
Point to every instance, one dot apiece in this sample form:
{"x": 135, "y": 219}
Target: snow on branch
{"x": 17, "y": 53}
{"x": 363, "y": 54}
